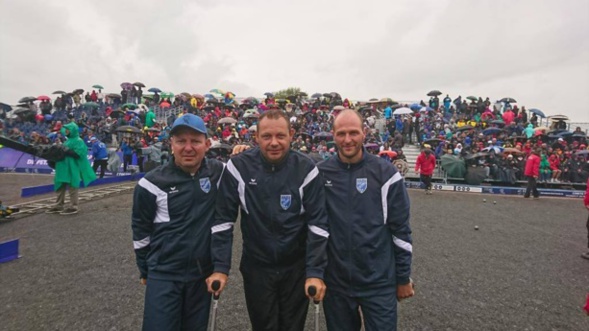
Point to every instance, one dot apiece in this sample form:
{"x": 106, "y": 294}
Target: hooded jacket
{"x": 425, "y": 164}
{"x": 72, "y": 171}
{"x": 529, "y": 131}
{"x": 370, "y": 246}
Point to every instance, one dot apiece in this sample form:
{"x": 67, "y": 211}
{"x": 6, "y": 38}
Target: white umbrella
{"x": 402, "y": 111}
{"x": 227, "y": 120}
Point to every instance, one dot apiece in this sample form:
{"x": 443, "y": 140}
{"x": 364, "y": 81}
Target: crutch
{"x": 214, "y": 304}
{"x": 312, "y": 291}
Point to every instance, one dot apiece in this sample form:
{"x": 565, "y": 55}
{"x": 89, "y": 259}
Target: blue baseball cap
{"x": 190, "y": 121}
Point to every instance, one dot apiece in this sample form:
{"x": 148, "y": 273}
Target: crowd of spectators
{"x": 494, "y": 136}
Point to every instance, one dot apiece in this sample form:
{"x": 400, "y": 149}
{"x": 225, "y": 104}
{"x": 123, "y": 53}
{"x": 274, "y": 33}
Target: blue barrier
{"x": 43, "y": 189}
{"x": 9, "y": 251}
{"x": 498, "y": 190}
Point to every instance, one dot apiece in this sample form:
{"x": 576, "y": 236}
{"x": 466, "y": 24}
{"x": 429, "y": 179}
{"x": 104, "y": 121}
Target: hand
{"x": 221, "y": 277}
{"x": 239, "y": 149}
{"x": 405, "y": 291}
{"x": 319, "y": 285}
{"x": 143, "y": 281}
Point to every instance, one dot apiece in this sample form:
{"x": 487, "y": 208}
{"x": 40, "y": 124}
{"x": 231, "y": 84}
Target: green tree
{"x": 291, "y": 91}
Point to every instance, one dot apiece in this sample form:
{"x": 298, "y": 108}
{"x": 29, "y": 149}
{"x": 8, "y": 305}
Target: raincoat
{"x": 72, "y": 171}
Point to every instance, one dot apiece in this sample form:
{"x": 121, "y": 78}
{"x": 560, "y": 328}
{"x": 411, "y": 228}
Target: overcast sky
{"x": 536, "y": 51}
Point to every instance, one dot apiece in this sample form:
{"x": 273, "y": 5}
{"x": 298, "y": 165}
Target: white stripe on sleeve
{"x": 222, "y": 227}
{"x": 384, "y": 192}
{"x": 141, "y": 243}
{"x": 161, "y": 214}
{"x": 319, "y": 231}
{"x": 310, "y": 176}
{"x": 403, "y": 244}
{"x": 240, "y": 186}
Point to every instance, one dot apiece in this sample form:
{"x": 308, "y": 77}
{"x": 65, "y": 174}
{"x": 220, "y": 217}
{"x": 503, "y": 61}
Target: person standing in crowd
{"x": 284, "y": 227}
{"x": 586, "y": 254}
{"x": 70, "y": 171}
{"x": 532, "y": 172}
{"x": 173, "y": 211}
{"x": 127, "y": 149}
{"x": 138, "y": 148}
{"x": 99, "y": 155}
{"x": 368, "y": 207}
{"x": 424, "y": 166}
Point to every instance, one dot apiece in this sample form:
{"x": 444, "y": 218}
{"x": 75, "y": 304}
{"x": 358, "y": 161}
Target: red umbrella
{"x": 43, "y": 98}
{"x": 391, "y": 154}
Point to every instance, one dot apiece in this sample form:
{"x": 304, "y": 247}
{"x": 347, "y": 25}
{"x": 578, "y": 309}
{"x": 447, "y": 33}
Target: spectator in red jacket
{"x": 554, "y": 166}
{"x": 532, "y": 171}
{"x": 586, "y": 254}
{"x": 424, "y": 166}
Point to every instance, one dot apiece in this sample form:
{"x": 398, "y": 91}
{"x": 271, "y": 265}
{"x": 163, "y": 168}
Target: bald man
{"x": 369, "y": 250}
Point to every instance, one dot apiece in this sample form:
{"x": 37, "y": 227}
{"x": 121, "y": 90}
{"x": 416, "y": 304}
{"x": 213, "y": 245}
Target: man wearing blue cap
{"x": 173, "y": 211}
{"x": 99, "y": 155}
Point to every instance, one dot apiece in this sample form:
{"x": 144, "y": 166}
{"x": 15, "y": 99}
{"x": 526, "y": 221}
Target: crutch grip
{"x": 312, "y": 290}
{"x": 216, "y": 285}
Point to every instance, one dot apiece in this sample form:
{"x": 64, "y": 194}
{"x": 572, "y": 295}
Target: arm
{"x": 396, "y": 213}
{"x": 143, "y": 214}
{"x": 226, "y": 210}
{"x": 313, "y": 195}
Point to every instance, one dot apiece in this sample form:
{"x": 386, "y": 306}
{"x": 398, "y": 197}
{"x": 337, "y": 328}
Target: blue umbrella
{"x": 154, "y": 90}
{"x": 208, "y": 96}
{"x": 415, "y": 107}
{"x": 491, "y": 131}
{"x": 537, "y": 112}
{"x": 565, "y": 134}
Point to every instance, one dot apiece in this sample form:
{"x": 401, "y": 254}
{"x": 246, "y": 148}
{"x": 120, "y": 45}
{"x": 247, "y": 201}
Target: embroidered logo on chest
{"x": 205, "y": 184}
{"x": 285, "y": 201}
{"x": 361, "y": 184}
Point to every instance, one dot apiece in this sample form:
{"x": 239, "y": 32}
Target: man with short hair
{"x": 173, "y": 211}
{"x": 284, "y": 227}
{"x": 370, "y": 249}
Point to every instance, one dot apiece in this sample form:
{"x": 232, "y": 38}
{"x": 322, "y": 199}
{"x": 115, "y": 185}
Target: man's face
{"x": 349, "y": 137}
{"x": 274, "y": 137}
{"x": 189, "y": 148}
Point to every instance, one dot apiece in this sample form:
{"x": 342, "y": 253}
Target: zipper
{"x": 350, "y": 231}
{"x": 272, "y": 221}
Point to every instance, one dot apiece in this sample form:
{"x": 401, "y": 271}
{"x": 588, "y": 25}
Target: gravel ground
{"x": 521, "y": 271}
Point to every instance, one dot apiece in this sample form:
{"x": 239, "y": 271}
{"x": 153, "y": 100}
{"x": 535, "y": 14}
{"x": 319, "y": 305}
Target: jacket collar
{"x": 203, "y": 166}
{"x": 272, "y": 167}
{"x": 351, "y": 166}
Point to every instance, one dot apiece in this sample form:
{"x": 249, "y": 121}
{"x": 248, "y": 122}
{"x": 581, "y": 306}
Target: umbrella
{"x": 433, "y": 93}
{"x": 563, "y": 134}
{"x": 464, "y": 128}
{"x": 249, "y": 115}
{"x": 269, "y": 94}
{"x": 117, "y": 96}
{"x": 510, "y": 150}
{"x": 217, "y": 91}
{"x": 495, "y": 149}
{"x": 492, "y": 131}
{"x": 198, "y": 96}
{"x": 453, "y": 165}
{"x": 303, "y": 94}
{"x": 387, "y": 100}
{"x": 537, "y": 112}
{"x": 91, "y": 104}
{"x": 579, "y": 135}
{"x": 59, "y": 92}
{"x": 558, "y": 118}
{"x": 152, "y": 130}
{"x": 253, "y": 128}
{"x": 98, "y": 86}
{"x": 425, "y": 109}
{"x": 43, "y": 97}
{"x": 126, "y": 85}
{"x": 129, "y": 105}
{"x": 433, "y": 142}
{"x": 227, "y": 120}
{"x": 323, "y": 135}
{"x": 252, "y": 100}
{"x": 23, "y": 111}
{"x": 508, "y": 100}
{"x": 167, "y": 95}
{"x": 472, "y": 98}
{"x": 415, "y": 107}
{"x": 475, "y": 175}
{"x": 78, "y": 91}
{"x": 154, "y": 90}
{"x": 335, "y": 95}
{"x": 5, "y": 107}
{"x": 327, "y": 95}
{"x": 316, "y": 95}
{"x": 139, "y": 84}
{"x": 390, "y": 154}
{"x": 117, "y": 113}
{"x": 339, "y": 108}
{"x": 27, "y": 99}
{"x": 498, "y": 122}
{"x": 128, "y": 129}
{"x": 402, "y": 111}
{"x": 582, "y": 152}
{"x": 371, "y": 145}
